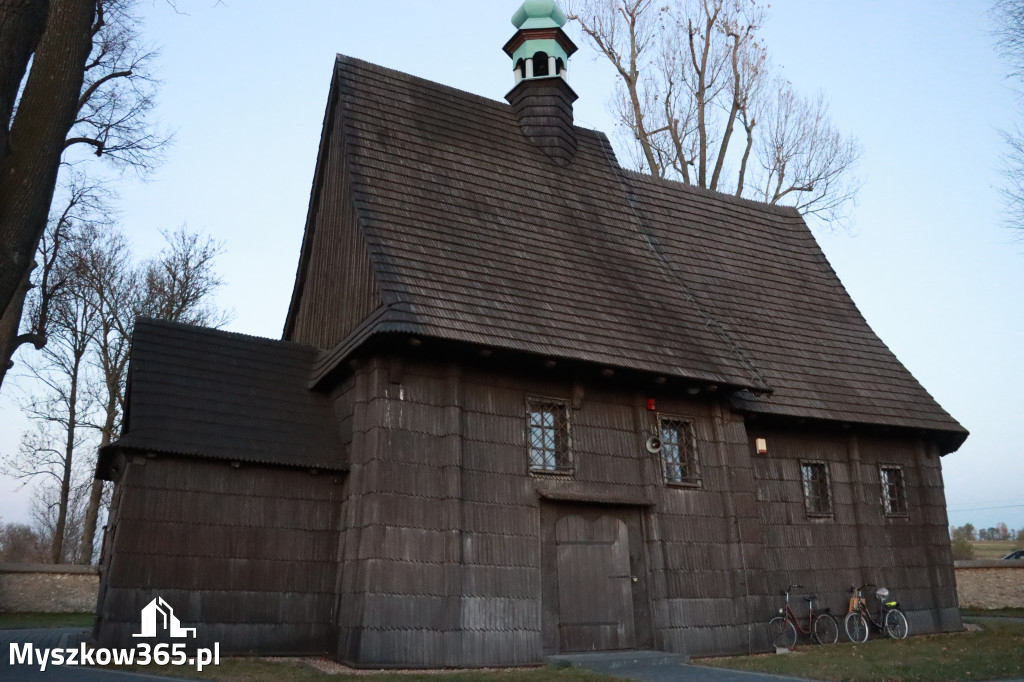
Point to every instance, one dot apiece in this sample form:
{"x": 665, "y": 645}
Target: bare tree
{"x": 73, "y": 73}
{"x": 61, "y": 402}
{"x": 180, "y": 282}
{"x": 177, "y": 285}
{"x": 1008, "y": 20}
{"x": 22, "y": 544}
{"x": 56, "y": 38}
{"x": 112, "y": 280}
{"x": 97, "y": 291}
{"x": 697, "y": 95}
{"x": 46, "y": 514}
{"x": 114, "y": 115}
{"x": 82, "y": 201}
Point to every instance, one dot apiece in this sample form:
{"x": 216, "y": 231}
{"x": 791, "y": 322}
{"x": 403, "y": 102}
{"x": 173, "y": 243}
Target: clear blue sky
{"x": 928, "y": 261}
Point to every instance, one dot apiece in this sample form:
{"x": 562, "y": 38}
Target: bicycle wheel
{"x": 826, "y": 630}
{"x": 782, "y": 632}
{"x": 896, "y": 624}
{"x": 856, "y": 627}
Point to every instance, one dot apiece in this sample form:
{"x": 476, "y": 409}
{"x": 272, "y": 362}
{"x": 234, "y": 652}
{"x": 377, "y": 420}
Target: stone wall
{"x": 48, "y": 588}
{"x": 990, "y": 584}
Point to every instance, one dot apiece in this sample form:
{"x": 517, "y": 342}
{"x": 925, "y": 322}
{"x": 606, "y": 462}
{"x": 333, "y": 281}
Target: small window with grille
{"x": 679, "y": 452}
{"x": 894, "y": 490}
{"x": 817, "y": 488}
{"x": 549, "y": 435}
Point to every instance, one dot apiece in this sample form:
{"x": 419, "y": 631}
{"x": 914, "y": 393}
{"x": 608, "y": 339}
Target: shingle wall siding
{"x": 246, "y": 555}
{"x": 858, "y": 543}
{"x": 449, "y": 541}
{"x": 450, "y": 522}
{"x": 337, "y": 289}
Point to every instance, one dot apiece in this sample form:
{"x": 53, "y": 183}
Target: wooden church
{"x": 526, "y": 402}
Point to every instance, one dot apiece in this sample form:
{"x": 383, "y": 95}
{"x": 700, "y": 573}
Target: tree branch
{"x": 85, "y": 140}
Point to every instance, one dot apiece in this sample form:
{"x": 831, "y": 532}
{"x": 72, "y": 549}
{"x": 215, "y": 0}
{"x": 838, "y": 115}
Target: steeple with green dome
{"x": 540, "y": 48}
{"x": 541, "y": 98}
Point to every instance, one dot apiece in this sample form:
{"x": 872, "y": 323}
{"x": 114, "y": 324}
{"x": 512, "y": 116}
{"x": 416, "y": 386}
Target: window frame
{"x": 695, "y": 480}
{"x": 568, "y": 467}
{"x": 886, "y": 500}
{"x": 805, "y": 489}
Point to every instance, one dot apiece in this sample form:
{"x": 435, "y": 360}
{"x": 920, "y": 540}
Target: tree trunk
{"x": 21, "y": 25}
{"x": 746, "y": 156}
{"x": 10, "y": 322}
{"x": 31, "y": 159}
{"x": 92, "y": 514}
{"x": 57, "y": 549}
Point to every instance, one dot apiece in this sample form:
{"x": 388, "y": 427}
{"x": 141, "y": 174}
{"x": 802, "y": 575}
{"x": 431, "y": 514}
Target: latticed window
{"x": 817, "y": 489}
{"x": 679, "y": 451}
{"x": 549, "y": 436}
{"x": 894, "y": 490}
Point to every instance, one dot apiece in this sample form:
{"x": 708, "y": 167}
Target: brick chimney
{"x": 542, "y": 99}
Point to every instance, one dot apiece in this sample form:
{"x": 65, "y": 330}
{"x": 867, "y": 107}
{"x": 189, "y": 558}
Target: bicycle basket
{"x": 882, "y": 593}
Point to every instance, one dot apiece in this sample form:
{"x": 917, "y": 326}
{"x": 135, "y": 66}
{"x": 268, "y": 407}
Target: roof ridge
{"x": 781, "y": 210}
{"x": 484, "y": 99}
{"x": 223, "y": 333}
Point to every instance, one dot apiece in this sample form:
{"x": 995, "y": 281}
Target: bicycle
{"x": 783, "y": 628}
{"x": 890, "y": 619}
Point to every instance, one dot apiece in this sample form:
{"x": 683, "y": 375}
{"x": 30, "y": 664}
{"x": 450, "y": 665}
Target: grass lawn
{"x": 1011, "y": 612}
{"x": 21, "y": 621}
{"x": 996, "y": 652}
{"x": 994, "y": 549}
{"x": 261, "y": 670}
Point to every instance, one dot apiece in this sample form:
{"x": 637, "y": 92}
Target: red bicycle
{"x": 784, "y": 627}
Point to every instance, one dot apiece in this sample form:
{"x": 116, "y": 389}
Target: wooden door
{"x": 595, "y": 583}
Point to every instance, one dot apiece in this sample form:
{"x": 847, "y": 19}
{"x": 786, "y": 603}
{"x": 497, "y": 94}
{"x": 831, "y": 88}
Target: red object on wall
{"x": 650, "y": 404}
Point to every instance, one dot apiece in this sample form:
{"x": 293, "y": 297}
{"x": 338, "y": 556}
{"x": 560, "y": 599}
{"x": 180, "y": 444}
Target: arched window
{"x": 540, "y": 64}
{"x": 521, "y": 68}
{"x": 559, "y": 66}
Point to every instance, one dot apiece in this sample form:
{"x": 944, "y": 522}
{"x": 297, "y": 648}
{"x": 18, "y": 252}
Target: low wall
{"x": 48, "y": 588}
{"x": 990, "y": 584}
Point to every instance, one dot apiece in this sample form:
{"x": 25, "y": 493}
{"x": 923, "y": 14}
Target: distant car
{"x": 1019, "y": 554}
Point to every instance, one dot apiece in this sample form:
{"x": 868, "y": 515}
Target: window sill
{"x": 690, "y": 485}
{"x": 553, "y": 473}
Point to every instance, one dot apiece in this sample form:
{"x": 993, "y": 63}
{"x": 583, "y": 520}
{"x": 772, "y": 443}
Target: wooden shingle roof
{"x": 473, "y": 234}
{"x": 203, "y": 392}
